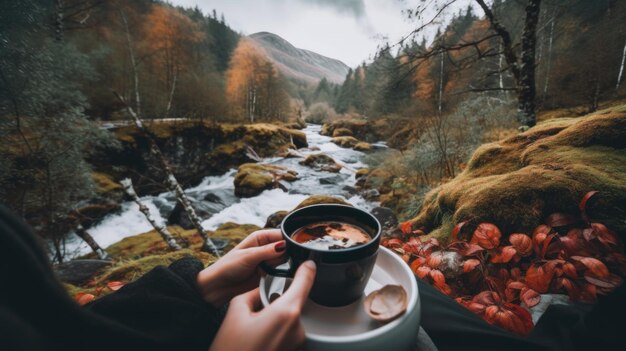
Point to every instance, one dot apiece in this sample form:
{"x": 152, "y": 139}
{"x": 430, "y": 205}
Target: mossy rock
{"x": 339, "y": 132}
{"x": 321, "y": 162}
{"x": 345, "y": 141}
{"x": 363, "y": 146}
{"x": 105, "y": 183}
{"x": 517, "y": 182}
{"x": 321, "y": 199}
{"x": 274, "y": 220}
{"x": 379, "y": 179}
{"x": 361, "y": 172}
{"x": 254, "y": 178}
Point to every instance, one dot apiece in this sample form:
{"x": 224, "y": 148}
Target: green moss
{"x": 321, "y": 199}
{"x": 105, "y": 183}
{"x": 253, "y": 178}
{"x": 339, "y": 132}
{"x": 517, "y": 182}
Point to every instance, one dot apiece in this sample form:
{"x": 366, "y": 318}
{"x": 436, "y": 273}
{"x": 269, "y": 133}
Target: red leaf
{"x": 486, "y": 298}
{"x": 115, "y": 285}
{"x": 570, "y": 270}
{"x": 530, "y": 297}
{"x": 406, "y": 227}
{"x": 556, "y": 220}
{"x": 394, "y": 243}
{"x": 539, "y": 235}
{"x": 422, "y": 271}
{"x": 610, "y": 282}
{"x": 83, "y": 298}
{"x": 434, "y": 260}
{"x": 486, "y": 235}
{"x": 545, "y": 245}
{"x": 503, "y": 254}
{"x": 583, "y": 205}
{"x": 522, "y": 322}
{"x": 438, "y": 277}
{"x": 538, "y": 277}
{"x": 522, "y": 243}
{"x": 470, "y": 264}
{"x": 457, "y": 230}
{"x": 605, "y": 235}
{"x": 476, "y": 307}
{"x": 594, "y": 266}
{"x": 417, "y": 263}
{"x": 472, "y": 250}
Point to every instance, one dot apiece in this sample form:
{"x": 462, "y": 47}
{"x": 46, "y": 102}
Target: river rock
{"x": 350, "y": 190}
{"x": 253, "y": 178}
{"x": 386, "y": 217}
{"x": 333, "y": 180}
{"x": 274, "y": 220}
{"x": 321, "y": 199}
{"x": 363, "y": 146}
{"x": 94, "y": 211}
{"x": 210, "y": 197}
{"x": 339, "y": 132}
{"x": 179, "y": 217}
{"x": 345, "y": 141}
{"x": 371, "y": 194}
{"x": 321, "y": 162}
{"x": 78, "y": 272}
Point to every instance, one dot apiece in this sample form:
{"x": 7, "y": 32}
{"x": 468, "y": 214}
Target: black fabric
{"x": 572, "y": 327}
{"x": 160, "y": 311}
{"x": 163, "y": 311}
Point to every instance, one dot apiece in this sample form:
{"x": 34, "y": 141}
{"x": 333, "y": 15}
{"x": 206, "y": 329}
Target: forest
{"x": 138, "y": 132}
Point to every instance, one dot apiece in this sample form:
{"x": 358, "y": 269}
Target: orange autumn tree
{"x": 169, "y": 40}
{"x": 254, "y": 88}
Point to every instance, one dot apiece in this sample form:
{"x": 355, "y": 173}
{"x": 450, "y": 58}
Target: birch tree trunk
{"x": 549, "y": 64}
{"x": 127, "y": 184}
{"x": 87, "y": 238}
{"x": 621, "y": 69}
{"x": 133, "y": 62}
{"x": 172, "y": 183}
{"x": 169, "y": 101}
{"x": 441, "y": 84}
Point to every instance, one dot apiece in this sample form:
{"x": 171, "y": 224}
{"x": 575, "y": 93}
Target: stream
{"x": 214, "y": 198}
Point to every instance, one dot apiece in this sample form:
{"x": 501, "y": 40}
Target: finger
{"x": 260, "y": 238}
{"x": 301, "y": 285}
{"x": 247, "y": 302}
{"x": 255, "y": 255}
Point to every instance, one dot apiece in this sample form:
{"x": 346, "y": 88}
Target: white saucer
{"x": 349, "y": 327}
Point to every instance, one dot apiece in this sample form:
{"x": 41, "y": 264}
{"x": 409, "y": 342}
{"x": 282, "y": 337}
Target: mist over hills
{"x": 298, "y": 63}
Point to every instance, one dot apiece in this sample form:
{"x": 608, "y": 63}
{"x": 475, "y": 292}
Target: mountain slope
{"x": 299, "y": 63}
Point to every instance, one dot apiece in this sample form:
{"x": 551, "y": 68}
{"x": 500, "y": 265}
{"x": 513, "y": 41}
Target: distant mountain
{"x": 299, "y": 63}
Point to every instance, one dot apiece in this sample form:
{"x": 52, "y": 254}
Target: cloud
{"x": 355, "y": 8}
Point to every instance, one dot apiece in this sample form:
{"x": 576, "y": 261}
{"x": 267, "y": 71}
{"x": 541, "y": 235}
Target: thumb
{"x": 247, "y": 302}
{"x": 301, "y": 285}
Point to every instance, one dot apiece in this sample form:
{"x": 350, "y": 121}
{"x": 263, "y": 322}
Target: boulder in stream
{"x": 274, "y": 220}
{"x": 363, "y": 146}
{"x": 253, "y": 178}
{"x": 321, "y": 162}
{"x": 345, "y": 141}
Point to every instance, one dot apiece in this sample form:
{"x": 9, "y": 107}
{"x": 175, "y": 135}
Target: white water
{"x": 255, "y": 210}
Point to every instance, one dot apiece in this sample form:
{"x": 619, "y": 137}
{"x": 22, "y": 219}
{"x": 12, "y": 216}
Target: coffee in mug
{"x": 331, "y": 236}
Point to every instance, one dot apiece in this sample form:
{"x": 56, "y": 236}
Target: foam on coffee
{"x": 331, "y": 236}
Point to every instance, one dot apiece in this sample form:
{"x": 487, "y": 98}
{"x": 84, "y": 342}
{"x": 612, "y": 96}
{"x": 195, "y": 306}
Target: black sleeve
{"x": 160, "y": 311}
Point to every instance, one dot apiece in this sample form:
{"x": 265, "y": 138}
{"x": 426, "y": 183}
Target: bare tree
{"x": 521, "y": 64}
{"x": 160, "y": 228}
{"x": 170, "y": 179}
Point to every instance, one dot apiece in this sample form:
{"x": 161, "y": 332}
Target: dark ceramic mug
{"x": 342, "y": 274}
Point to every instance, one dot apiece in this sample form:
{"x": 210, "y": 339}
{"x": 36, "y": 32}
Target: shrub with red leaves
{"x": 500, "y": 277}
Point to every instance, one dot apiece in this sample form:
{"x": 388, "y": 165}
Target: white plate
{"x": 349, "y": 327}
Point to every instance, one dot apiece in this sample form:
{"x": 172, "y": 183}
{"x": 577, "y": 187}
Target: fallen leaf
{"x": 386, "y": 304}
{"x": 503, "y": 254}
{"x": 406, "y": 227}
{"x": 470, "y": 264}
{"x": 583, "y": 205}
{"x": 556, "y": 220}
{"x": 486, "y": 235}
{"x": 115, "y": 285}
{"x": 83, "y": 298}
{"x": 522, "y": 243}
{"x": 457, "y": 230}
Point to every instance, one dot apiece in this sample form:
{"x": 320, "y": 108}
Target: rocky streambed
{"x": 215, "y": 201}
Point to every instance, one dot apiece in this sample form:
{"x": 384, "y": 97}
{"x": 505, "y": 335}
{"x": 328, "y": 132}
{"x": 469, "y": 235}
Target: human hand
{"x": 276, "y": 327}
{"x": 238, "y": 271}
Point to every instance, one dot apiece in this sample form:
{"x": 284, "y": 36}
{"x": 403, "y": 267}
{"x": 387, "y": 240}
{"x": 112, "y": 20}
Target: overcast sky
{"x": 348, "y": 30}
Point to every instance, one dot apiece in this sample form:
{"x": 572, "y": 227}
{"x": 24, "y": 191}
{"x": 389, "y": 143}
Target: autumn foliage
{"x": 501, "y": 277}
